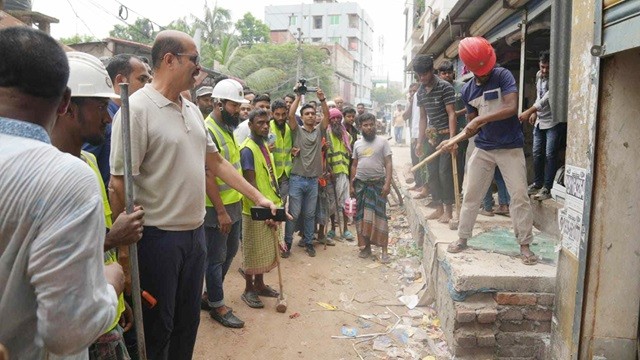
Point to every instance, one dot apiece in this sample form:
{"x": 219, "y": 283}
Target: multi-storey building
{"x": 329, "y": 22}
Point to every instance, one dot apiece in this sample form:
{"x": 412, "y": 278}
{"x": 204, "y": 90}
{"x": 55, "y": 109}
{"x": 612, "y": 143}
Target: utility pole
{"x": 299, "y": 66}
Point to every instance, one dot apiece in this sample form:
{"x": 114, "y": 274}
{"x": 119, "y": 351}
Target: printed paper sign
{"x": 575, "y": 182}
{"x": 570, "y": 222}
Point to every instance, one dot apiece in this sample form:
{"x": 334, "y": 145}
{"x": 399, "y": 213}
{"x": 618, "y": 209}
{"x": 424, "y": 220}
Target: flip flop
{"x": 251, "y": 298}
{"x": 364, "y": 254}
{"x": 268, "y": 291}
{"x": 456, "y": 247}
{"x": 385, "y": 259}
{"x": 529, "y": 260}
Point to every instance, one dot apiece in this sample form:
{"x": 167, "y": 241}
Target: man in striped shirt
{"x": 436, "y": 99}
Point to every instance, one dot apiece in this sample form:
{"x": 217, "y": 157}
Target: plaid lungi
{"x": 109, "y": 346}
{"x": 371, "y": 212}
{"x": 258, "y": 250}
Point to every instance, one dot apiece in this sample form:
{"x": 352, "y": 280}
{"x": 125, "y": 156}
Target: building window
{"x": 334, "y": 19}
{"x": 334, "y": 40}
{"x": 316, "y": 40}
{"x": 293, "y": 20}
{"x": 353, "y": 21}
{"x": 317, "y": 22}
{"x": 353, "y": 43}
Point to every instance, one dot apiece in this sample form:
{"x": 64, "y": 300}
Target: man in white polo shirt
{"x": 171, "y": 154}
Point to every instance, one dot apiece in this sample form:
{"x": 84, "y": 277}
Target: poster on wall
{"x": 570, "y": 218}
{"x": 575, "y": 183}
{"x": 570, "y": 223}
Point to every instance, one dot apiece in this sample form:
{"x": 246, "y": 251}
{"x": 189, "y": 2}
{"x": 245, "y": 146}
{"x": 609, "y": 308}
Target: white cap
{"x": 88, "y": 77}
{"x": 204, "y": 90}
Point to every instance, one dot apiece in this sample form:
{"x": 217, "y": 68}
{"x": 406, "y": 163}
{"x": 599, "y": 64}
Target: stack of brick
{"x": 502, "y": 325}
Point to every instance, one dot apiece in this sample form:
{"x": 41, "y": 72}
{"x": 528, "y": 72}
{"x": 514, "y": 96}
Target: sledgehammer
{"x": 464, "y": 134}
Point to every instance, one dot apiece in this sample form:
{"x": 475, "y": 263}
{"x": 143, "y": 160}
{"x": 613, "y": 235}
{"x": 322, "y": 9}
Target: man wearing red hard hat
{"x": 491, "y": 99}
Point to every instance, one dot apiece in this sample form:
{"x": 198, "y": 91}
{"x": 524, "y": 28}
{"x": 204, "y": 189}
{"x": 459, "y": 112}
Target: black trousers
{"x": 419, "y": 175}
{"x": 441, "y": 174}
{"x": 172, "y": 270}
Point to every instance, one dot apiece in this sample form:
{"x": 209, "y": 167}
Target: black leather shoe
{"x": 227, "y": 320}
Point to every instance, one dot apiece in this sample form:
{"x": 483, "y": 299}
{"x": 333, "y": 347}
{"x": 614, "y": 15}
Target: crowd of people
{"x": 484, "y": 111}
{"x": 198, "y": 170}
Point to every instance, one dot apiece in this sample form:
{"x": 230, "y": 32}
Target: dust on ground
{"x": 339, "y": 307}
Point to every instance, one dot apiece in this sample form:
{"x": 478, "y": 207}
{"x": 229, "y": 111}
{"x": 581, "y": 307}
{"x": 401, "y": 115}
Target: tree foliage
{"x": 77, "y": 39}
{"x": 141, "y": 31}
{"x": 385, "y": 95}
{"x": 271, "y": 68}
{"x": 251, "y": 30}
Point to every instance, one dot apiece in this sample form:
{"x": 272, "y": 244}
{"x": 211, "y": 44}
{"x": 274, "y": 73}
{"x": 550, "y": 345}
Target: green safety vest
{"x": 229, "y": 150}
{"x": 282, "y": 151}
{"x": 266, "y": 182}
{"x": 338, "y": 156}
{"x": 110, "y": 256}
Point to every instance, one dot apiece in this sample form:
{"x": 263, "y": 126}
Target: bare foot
{"x": 448, "y": 214}
{"x": 436, "y": 214}
{"x": 457, "y": 246}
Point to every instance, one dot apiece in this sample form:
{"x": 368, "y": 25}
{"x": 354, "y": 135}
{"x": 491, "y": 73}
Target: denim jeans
{"x": 398, "y": 131}
{"x": 503, "y": 194}
{"x": 221, "y": 249}
{"x": 303, "y": 196}
{"x": 546, "y": 145}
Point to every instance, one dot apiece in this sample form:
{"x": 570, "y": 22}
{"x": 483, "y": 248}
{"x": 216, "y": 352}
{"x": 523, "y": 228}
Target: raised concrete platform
{"x": 491, "y": 305}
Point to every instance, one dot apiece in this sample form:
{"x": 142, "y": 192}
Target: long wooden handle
{"x": 463, "y": 135}
{"x": 456, "y": 188}
{"x": 276, "y": 241}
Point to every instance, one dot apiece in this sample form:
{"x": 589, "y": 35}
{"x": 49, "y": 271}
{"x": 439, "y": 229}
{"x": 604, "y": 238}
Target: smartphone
{"x": 261, "y": 213}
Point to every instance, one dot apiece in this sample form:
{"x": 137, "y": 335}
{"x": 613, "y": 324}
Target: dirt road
{"x": 335, "y": 276}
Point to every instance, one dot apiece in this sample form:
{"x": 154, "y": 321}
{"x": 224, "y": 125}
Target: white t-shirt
{"x": 415, "y": 118}
{"x": 242, "y": 132}
{"x": 54, "y": 298}
{"x": 370, "y": 156}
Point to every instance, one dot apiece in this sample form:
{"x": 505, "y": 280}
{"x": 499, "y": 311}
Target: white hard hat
{"x": 88, "y": 77}
{"x": 229, "y": 89}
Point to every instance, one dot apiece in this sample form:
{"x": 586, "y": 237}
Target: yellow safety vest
{"x": 228, "y": 148}
{"x": 282, "y": 151}
{"x": 110, "y": 256}
{"x": 266, "y": 182}
{"x": 338, "y": 156}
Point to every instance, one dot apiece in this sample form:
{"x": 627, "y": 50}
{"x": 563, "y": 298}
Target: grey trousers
{"x": 480, "y": 170}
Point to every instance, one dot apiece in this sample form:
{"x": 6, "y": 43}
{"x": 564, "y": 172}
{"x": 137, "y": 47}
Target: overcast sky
{"x": 97, "y": 17}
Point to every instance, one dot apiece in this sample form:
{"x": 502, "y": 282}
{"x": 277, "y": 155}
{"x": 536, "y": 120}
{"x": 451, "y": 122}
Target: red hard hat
{"x": 477, "y": 54}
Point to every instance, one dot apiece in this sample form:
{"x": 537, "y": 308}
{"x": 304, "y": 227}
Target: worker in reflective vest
{"x": 338, "y": 159}
{"x": 222, "y": 224}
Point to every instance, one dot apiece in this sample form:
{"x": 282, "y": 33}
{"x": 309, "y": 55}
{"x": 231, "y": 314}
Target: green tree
{"x": 383, "y": 95}
{"x": 181, "y": 25}
{"x": 77, "y": 39}
{"x": 216, "y": 23}
{"x": 271, "y": 68}
{"x": 252, "y": 30}
{"x": 141, "y": 31}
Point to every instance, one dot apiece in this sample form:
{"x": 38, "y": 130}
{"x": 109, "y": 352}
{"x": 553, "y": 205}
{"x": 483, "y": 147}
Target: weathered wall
{"x": 581, "y": 119}
{"x": 612, "y": 299}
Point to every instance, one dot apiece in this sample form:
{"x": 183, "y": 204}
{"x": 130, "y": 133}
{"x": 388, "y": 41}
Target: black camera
{"x": 303, "y": 89}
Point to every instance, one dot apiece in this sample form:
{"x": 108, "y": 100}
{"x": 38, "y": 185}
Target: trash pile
{"x": 400, "y": 329}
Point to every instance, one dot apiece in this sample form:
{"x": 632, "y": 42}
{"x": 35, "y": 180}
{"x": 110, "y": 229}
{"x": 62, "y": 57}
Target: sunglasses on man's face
{"x": 195, "y": 59}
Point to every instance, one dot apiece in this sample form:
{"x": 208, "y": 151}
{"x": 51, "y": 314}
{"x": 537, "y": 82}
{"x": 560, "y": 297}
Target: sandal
{"x": 268, "y": 291}
{"x": 456, "y": 247}
{"x": 364, "y": 254}
{"x": 385, "y": 259}
{"x": 529, "y": 259}
{"x": 251, "y": 298}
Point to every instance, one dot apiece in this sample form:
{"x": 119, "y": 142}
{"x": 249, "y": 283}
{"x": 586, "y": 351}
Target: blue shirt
{"x": 103, "y": 150}
{"x": 487, "y": 98}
